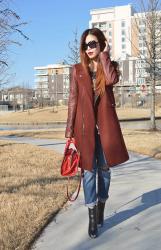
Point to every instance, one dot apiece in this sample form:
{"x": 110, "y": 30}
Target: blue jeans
{"x": 97, "y": 188}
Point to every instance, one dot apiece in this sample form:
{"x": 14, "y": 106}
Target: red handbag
{"x": 70, "y": 165}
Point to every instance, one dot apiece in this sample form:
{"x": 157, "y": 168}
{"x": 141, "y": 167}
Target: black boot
{"x": 92, "y": 230}
{"x": 100, "y": 213}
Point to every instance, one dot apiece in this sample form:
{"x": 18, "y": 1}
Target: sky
{"x": 50, "y": 27}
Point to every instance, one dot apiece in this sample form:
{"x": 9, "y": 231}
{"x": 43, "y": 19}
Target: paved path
{"x": 57, "y": 145}
{"x": 132, "y": 214}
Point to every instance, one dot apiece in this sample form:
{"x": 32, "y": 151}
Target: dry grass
{"x": 31, "y": 192}
{"x": 35, "y": 116}
{"x": 144, "y": 142}
{"x": 47, "y": 115}
{"x": 124, "y": 113}
{"x": 42, "y": 134}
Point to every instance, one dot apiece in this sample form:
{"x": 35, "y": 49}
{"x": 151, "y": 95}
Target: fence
{"x": 125, "y": 97}
{"x": 3, "y": 107}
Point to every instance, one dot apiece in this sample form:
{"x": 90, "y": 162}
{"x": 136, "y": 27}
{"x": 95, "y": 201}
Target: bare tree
{"x": 10, "y": 24}
{"x": 40, "y": 95}
{"x": 150, "y": 32}
{"x": 74, "y": 57}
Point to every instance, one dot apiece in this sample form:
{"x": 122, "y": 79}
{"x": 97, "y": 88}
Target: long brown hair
{"x": 85, "y": 60}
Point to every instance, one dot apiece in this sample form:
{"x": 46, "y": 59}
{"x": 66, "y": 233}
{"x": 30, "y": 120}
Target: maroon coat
{"x": 81, "y": 120}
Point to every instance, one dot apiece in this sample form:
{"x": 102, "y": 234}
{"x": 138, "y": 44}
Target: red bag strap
{"x": 78, "y": 188}
{"x": 70, "y": 141}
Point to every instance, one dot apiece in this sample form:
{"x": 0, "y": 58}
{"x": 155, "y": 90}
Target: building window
{"x": 110, "y": 33}
{"x": 143, "y": 52}
{"x": 123, "y": 33}
{"x": 95, "y": 25}
{"x": 142, "y": 38}
{"x": 141, "y": 22}
{"x": 123, "y": 24}
{"x": 42, "y": 71}
{"x": 102, "y": 26}
{"x": 142, "y": 30}
{"x": 123, "y": 46}
{"x": 41, "y": 78}
{"x": 140, "y": 80}
{"x": 123, "y": 39}
{"x": 110, "y": 25}
{"x": 98, "y": 17}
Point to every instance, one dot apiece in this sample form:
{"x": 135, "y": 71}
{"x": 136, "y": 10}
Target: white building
{"x": 115, "y": 22}
{"x": 126, "y": 33}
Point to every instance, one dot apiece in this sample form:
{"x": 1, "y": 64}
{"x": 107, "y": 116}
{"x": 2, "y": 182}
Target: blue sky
{"x": 50, "y": 27}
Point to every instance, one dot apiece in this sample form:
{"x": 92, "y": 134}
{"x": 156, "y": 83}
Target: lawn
{"x": 143, "y": 142}
{"x": 32, "y": 191}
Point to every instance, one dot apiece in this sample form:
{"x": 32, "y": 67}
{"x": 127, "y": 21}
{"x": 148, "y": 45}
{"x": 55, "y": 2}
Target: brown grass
{"x": 144, "y": 142}
{"x": 35, "y": 116}
{"x": 124, "y": 113}
{"x": 47, "y": 115}
{"x": 42, "y": 134}
{"x": 31, "y": 192}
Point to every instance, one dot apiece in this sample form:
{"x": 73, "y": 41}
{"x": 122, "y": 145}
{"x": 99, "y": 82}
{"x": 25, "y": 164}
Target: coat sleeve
{"x": 110, "y": 71}
{"x": 72, "y": 105}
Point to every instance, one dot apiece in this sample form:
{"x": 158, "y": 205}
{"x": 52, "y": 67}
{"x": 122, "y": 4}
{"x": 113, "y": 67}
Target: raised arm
{"x": 72, "y": 105}
{"x": 110, "y": 71}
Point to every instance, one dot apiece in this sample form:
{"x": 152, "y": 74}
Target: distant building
{"x": 128, "y": 71}
{"x": 116, "y": 24}
{"x": 17, "y": 97}
{"x": 52, "y": 82}
{"x": 126, "y": 41}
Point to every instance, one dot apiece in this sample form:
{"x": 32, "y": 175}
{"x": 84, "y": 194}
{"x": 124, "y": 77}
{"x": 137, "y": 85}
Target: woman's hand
{"x": 71, "y": 139}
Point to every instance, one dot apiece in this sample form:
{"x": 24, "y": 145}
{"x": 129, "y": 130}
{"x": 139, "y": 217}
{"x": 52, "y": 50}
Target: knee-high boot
{"x": 100, "y": 213}
{"x": 92, "y": 229}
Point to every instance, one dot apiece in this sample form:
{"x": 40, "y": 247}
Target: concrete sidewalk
{"x": 132, "y": 214}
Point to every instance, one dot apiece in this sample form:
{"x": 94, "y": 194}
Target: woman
{"x": 93, "y": 122}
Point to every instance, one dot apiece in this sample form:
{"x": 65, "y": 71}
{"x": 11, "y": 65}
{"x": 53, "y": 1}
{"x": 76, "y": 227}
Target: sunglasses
{"x": 91, "y": 45}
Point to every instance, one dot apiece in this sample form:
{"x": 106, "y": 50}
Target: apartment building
{"x": 126, "y": 33}
{"x": 115, "y": 22}
{"x": 52, "y": 82}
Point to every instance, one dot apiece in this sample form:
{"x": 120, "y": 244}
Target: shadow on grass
{"x": 8, "y": 144}
{"x": 40, "y": 181}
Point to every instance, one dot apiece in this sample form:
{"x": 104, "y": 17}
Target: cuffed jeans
{"x": 97, "y": 188}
